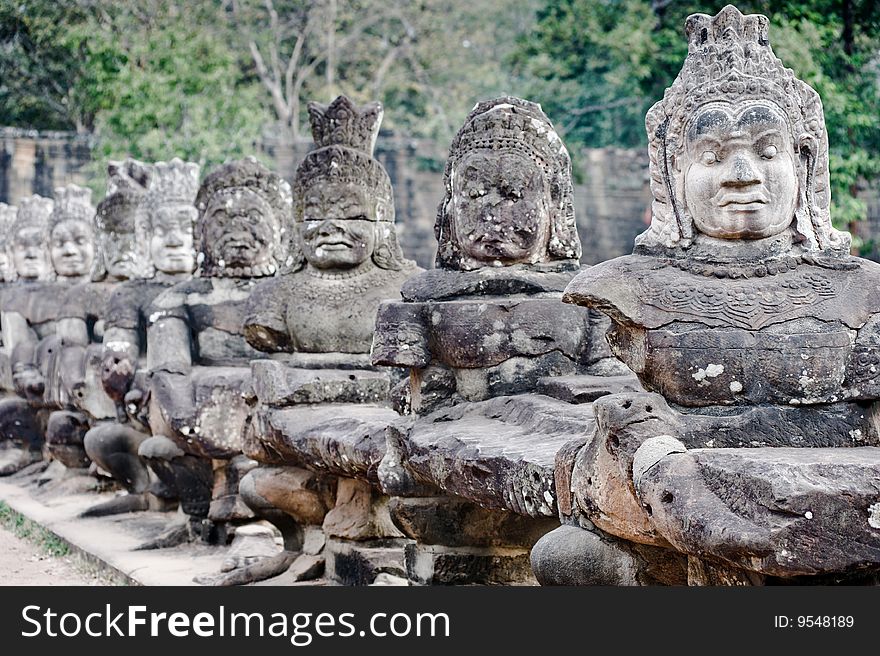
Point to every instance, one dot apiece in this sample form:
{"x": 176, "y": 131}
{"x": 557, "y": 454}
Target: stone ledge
{"x": 498, "y": 453}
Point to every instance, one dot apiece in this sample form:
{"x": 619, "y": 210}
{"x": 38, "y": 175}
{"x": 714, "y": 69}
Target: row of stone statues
{"x": 257, "y": 353}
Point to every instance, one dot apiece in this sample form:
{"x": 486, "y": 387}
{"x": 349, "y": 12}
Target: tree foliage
{"x": 598, "y": 65}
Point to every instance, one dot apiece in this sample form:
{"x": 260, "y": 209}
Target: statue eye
{"x": 769, "y": 152}
{"x": 254, "y": 216}
{"x": 476, "y": 192}
{"x": 709, "y": 157}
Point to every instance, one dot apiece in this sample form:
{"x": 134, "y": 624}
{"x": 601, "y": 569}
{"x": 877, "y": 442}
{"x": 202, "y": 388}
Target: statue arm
{"x": 265, "y": 325}
{"x": 16, "y": 331}
{"x": 169, "y": 344}
{"x": 72, "y": 331}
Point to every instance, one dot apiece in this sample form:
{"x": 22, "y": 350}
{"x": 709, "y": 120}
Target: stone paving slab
{"x": 111, "y": 540}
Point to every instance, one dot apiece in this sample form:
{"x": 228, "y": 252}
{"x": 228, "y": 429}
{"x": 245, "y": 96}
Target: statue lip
{"x": 743, "y": 201}
{"x": 333, "y": 244}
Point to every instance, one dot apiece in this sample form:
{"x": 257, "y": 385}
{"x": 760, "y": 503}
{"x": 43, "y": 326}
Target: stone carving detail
{"x": 322, "y": 410}
{"x": 742, "y": 307}
{"x": 7, "y": 219}
{"x": 121, "y": 240}
{"x": 196, "y": 352}
{"x": 344, "y": 257}
{"x": 479, "y": 335}
{"x": 508, "y": 191}
{"x": 72, "y": 234}
{"x": 30, "y": 239}
{"x": 486, "y": 322}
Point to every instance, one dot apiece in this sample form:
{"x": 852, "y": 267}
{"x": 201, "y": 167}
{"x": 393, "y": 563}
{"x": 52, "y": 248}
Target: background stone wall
{"x": 34, "y": 162}
{"x": 612, "y": 197}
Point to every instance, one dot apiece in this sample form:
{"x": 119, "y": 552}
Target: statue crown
{"x": 730, "y": 60}
{"x": 33, "y": 212}
{"x": 342, "y": 123}
{"x": 72, "y": 202}
{"x": 127, "y": 185}
{"x": 173, "y": 182}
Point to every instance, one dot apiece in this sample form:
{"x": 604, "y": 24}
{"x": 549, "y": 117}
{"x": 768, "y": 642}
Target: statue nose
{"x": 741, "y": 173}
{"x": 328, "y": 228}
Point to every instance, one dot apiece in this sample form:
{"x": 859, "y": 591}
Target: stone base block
{"x": 439, "y": 565}
{"x": 359, "y": 563}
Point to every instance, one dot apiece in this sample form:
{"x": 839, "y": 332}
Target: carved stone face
{"x": 29, "y": 254}
{"x": 740, "y": 179}
{"x": 500, "y": 207}
{"x": 336, "y": 232}
{"x": 72, "y": 248}
{"x": 238, "y": 230}
{"x": 171, "y": 239}
{"x": 120, "y": 255}
{"x": 7, "y": 272}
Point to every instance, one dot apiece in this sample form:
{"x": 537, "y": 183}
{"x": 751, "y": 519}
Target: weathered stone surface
{"x": 586, "y": 388}
{"x": 307, "y": 567}
{"x": 302, "y": 494}
{"x": 483, "y": 332}
{"x": 498, "y": 453}
{"x": 345, "y": 258}
{"x": 437, "y": 565}
{"x": 277, "y": 384}
{"x": 359, "y": 563}
{"x": 744, "y": 316}
{"x": 454, "y": 522}
{"x": 342, "y": 439}
{"x": 571, "y": 556}
{"x": 360, "y": 513}
{"x": 781, "y": 512}
{"x": 447, "y": 285}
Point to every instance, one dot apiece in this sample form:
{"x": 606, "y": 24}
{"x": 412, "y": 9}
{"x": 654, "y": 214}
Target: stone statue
{"x": 21, "y": 429}
{"x": 345, "y": 257}
{"x": 487, "y": 321}
{"x": 197, "y": 354}
{"x": 36, "y": 317}
{"x": 753, "y": 330}
{"x": 480, "y": 335}
{"x": 7, "y": 219}
{"x": 120, "y": 255}
{"x": 159, "y": 201}
{"x": 7, "y": 276}
{"x": 323, "y": 396}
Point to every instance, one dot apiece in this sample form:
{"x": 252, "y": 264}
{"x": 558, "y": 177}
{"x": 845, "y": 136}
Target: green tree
{"x": 153, "y": 79}
{"x": 599, "y": 64}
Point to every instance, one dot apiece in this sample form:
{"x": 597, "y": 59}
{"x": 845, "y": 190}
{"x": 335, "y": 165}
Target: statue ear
{"x": 807, "y": 147}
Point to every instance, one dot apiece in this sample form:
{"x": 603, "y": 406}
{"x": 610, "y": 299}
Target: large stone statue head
{"x": 343, "y": 204}
{"x": 508, "y": 191}
{"x": 72, "y": 233}
{"x": 169, "y": 216}
{"x": 243, "y": 211}
{"x": 123, "y": 250}
{"x": 738, "y": 146}
{"x": 29, "y": 239}
{"x": 7, "y": 218}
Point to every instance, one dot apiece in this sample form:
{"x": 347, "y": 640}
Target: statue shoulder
{"x": 613, "y": 287}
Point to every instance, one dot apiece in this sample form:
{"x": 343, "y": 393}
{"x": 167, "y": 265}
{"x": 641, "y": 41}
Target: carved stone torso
{"x": 700, "y": 340}
{"x": 89, "y": 301}
{"x": 214, "y": 309}
{"x": 40, "y": 303}
{"x": 497, "y": 330}
{"x": 129, "y": 306}
{"x": 324, "y": 313}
